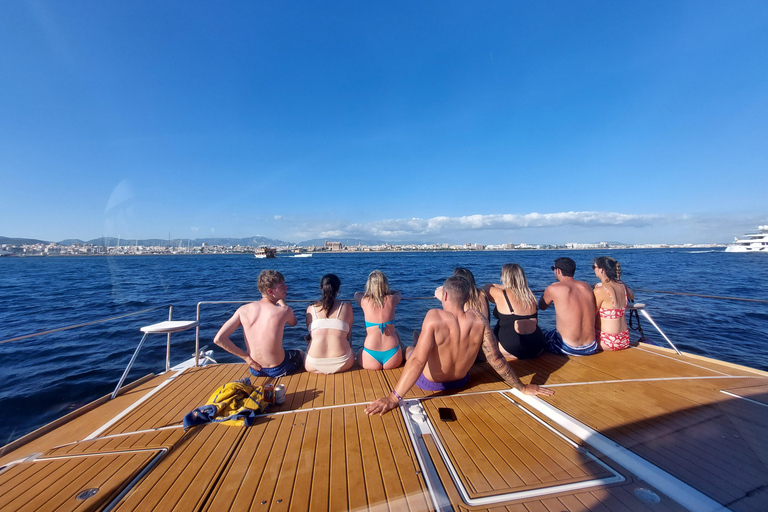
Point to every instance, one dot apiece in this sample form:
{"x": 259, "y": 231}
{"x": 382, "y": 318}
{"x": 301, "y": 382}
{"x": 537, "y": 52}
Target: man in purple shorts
{"x": 574, "y": 312}
{"x": 446, "y": 348}
{"x": 263, "y": 324}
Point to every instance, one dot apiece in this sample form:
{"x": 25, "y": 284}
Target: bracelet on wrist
{"x": 399, "y": 398}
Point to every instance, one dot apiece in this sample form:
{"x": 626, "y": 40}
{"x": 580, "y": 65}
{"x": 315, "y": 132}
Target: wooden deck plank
{"x": 179, "y": 398}
{"x": 187, "y": 391}
{"x": 638, "y": 363}
{"x": 55, "y": 483}
{"x": 696, "y": 441}
{"x": 309, "y": 456}
{"x": 321, "y": 469}
{"x": 355, "y": 468}
{"x": 487, "y": 429}
{"x": 232, "y": 492}
{"x": 546, "y": 449}
{"x": 373, "y": 470}
{"x": 339, "y": 499}
{"x": 721, "y": 366}
{"x": 647, "y": 433}
{"x": 26, "y": 480}
{"x": 187, "y": 473}
{"x": 330, "y": 382}
{"x": 327, "y": 459}
{"x": 727, "y": 448}
{"x": 288, "y": 475}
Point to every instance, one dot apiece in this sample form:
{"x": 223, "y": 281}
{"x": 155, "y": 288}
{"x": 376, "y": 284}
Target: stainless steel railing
{"x": 59, "y": 329}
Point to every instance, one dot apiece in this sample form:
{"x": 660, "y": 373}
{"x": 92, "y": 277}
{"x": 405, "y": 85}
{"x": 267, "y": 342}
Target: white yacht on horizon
{"x": 757, "y": 242}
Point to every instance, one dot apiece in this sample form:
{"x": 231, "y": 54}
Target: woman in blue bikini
{"x": 382, "y": 349}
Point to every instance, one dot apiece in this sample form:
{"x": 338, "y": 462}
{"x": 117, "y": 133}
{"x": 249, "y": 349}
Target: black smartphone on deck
{"x": 446, "y": 414}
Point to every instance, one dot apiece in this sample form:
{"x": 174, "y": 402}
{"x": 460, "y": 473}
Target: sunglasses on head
{"x": 554, "y": 267}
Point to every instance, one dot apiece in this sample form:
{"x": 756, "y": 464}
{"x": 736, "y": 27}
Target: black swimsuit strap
{"x": 507, "y": 299}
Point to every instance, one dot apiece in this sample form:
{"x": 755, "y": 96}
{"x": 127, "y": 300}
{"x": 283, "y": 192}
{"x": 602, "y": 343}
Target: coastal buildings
{"x": 55, "y": 249}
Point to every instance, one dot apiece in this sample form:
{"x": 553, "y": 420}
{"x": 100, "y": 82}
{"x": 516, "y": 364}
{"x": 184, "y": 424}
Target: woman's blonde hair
{"x": 377, "y": 288}
{"x": 513, "y": 279}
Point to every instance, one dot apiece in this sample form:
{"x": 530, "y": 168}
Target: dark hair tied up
{"x": 329, "y": 288}
{"x": 610, "y": 266}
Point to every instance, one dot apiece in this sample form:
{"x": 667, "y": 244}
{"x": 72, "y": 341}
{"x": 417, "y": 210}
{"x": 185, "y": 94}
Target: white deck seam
{"x": 743, "y": 398}
{"x": 650, "y": 379}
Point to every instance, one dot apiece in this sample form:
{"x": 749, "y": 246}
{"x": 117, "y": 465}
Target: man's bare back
{"x": 447, "y": 347}
{"x": 263, "y": 324}
{"x": 574, "y": 309}
{"x": 456, "y": 338}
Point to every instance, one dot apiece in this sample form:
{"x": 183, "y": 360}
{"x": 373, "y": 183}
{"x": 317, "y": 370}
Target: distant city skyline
{"x": 431, "y": 122}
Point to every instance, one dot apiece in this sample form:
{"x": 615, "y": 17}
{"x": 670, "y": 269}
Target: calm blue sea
{"x": 45, "y": 377}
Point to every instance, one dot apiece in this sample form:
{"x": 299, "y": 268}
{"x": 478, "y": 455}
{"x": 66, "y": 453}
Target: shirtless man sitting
{"x": 446, "y": 348}
{"x": 574, "y": 312}
{"x": 263, "y": 323}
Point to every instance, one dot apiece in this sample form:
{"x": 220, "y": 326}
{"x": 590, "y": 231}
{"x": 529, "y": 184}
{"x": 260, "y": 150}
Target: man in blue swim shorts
{"x": 574, "y": 312}
{"x": 445, "y": 350}
{"x": 263, "y": 324}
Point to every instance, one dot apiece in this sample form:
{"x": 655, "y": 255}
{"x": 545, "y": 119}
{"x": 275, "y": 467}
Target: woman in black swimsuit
{"x": 517, "y": 329}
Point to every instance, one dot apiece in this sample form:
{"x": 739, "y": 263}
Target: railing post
{"x": 646, "y": 315}
{"x": 130, "y": 364}
{"x": 168, "y": 342}
{"x": 197, "y": 337}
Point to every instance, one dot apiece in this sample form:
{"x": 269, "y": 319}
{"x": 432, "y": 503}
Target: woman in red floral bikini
{"x": 611, "y": 297}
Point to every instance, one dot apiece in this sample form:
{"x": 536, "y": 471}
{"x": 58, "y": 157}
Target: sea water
{"x": 45, "y": 377}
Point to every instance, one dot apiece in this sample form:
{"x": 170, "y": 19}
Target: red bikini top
{"x": 613, "y": 313}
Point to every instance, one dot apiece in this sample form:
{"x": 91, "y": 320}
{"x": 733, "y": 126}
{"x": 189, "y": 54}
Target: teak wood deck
{"x": 639, "y": 430}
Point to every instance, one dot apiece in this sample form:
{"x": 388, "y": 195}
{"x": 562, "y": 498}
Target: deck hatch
{"x": 496, "y": 451}
{"x": 68, "y": 483}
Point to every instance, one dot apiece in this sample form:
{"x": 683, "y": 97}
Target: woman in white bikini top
{"x": 329, "y": 322}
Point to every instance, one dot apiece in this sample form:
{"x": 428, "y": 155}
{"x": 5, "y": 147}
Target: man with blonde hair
{"x": 263, "y": 324}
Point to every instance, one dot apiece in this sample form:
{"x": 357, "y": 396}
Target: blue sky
{"x": 489, "y": 122}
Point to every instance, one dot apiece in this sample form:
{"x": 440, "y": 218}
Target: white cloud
{"x": 393, "y": 228}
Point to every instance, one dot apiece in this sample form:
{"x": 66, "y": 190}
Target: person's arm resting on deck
{"x": 411, "y": 372}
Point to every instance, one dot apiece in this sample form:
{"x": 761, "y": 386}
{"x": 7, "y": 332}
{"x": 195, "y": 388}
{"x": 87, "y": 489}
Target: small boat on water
{"x": 302, "y": 255}
{"x": 756, "y": 242}
{"x": 643, "y": 429}
{"x": 265, "y": 252}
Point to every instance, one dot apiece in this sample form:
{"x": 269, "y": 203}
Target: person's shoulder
{"x": 251, "y": 306}
{"x": 557, "y": 285}
{"x": 436, "y": 315}
{"x": 474, "y": 316}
